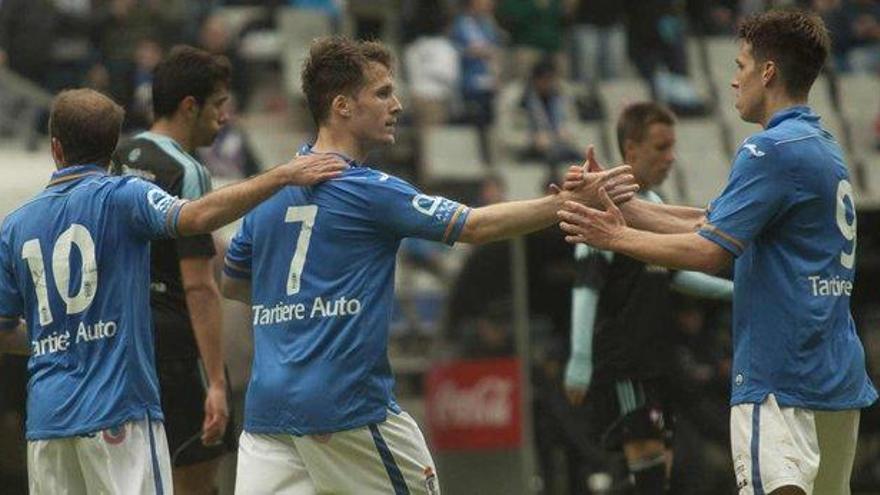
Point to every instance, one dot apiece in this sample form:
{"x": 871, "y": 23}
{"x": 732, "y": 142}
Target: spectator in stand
{"x": 26, "y": 28}
{"x": 535, "y": 28}
{"x": 855, "y": 33}
{"x": 139, "y": 114}
{"x": 477, "y": 37}
{"x": 656, "y": 45}
{"x": 546, "y": 107}
{"x": 216, "y": 38}
{"x": 432, "y": 67}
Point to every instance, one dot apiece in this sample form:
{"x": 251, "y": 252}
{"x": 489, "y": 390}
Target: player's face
{"x": 375, "y": 108}
{"x": 748, "y": 85}
{"x": 211, "y": 116}
{"x": 652, "y": 158}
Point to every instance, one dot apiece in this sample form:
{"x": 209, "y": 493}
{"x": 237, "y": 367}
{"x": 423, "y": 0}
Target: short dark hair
{"x": 796, "y": 41}
{"x": 337, "y": 65}
{"x": 187, "y": 71}
{"x": 636, "y": 118}
{"x": 87, "y": 125}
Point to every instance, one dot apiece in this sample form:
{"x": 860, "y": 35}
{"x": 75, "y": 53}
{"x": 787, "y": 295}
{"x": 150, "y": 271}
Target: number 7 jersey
{"x": 321, "y": 264}
{"x": 74, "y": 262}
{"x": 788, "y": 215}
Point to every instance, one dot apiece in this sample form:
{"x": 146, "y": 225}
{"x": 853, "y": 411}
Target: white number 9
{"x": 848, "y": 229}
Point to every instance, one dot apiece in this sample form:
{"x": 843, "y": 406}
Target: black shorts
{"x": 627, "y": 410}
{"x": 183, "y": 387}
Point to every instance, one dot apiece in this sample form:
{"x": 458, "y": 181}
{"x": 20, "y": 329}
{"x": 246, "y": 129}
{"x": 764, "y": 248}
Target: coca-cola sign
{"x": 475, "y": 405}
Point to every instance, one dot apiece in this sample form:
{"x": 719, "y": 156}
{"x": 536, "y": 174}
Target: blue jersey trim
{"x": 723, "y": 239}
{"x": 757, "y": 484}
{"x": 391, "y": 467}
{"x": 154, "y": 459}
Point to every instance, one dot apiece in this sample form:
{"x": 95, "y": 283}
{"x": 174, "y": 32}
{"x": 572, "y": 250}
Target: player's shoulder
{"x": 369, "y": 179}
{"x": 150, "y": 156}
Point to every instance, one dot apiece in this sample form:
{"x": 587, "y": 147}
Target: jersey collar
{"x": 75, "y": 172}
{"x": 795, "y": 112}
{"x": 306, "y": 149}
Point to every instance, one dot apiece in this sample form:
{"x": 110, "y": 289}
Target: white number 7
{"x": 306, "y": 215}
{"x": 844, "y": 190}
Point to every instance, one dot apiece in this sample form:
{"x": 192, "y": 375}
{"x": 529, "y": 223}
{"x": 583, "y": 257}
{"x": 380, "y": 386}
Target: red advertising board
{"x": 475, "y": 405}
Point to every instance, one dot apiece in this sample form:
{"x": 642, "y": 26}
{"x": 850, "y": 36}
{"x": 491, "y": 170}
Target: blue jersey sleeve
{"x": 239, "y": 254}
{"x": 11, "y": 304}
{"x": 757, "y": 192}
{"x": 153, "y": 213}
{"x": 406, "y": 212}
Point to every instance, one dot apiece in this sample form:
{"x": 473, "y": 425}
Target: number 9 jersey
{"x": 74, "y": 262}
{"x": 321, "y": 263}
{"x": 788, "y": 216}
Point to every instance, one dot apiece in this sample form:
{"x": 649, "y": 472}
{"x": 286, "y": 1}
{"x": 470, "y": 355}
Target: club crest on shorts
{"x": 431, "y": 481}
{"x": 114, "y": 435}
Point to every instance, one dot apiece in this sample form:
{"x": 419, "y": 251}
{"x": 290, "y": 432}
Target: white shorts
{"x": 787, "y": 446}
{"x": 388, "y": 457}
{"x": 128, "y": 459}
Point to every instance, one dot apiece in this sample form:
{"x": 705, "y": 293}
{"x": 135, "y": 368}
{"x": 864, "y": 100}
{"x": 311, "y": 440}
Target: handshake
{"x": 590, "y": 213}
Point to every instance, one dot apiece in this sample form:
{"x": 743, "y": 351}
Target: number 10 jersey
{"x": 75, "y": 263}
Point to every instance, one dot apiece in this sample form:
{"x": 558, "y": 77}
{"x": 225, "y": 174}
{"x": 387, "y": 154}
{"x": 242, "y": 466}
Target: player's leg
{"x": 194, "y": 465}
{"x": 644, "y": 437}
{"x": 838, "y": 434}
{"x": 271, "y": 464}
{"x": 131, "y": 458}
{"x": 53, "y": 468}
{"x": 775, "y": 449}
{"x": 388, "y": 457}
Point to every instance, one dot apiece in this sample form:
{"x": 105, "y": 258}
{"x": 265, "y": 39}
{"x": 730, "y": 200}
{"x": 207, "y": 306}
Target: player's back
{"x": 80, "y": 265}
{"x": 322, "y": 263}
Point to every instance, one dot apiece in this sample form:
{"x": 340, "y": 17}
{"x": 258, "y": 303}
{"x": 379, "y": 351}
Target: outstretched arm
{"x": 641, "y": 214}
{"x": 702, "y": 285}
{"x": 225, "y": 205}
{"x": 513, "y": 218}
{"x": 608, "y": 230}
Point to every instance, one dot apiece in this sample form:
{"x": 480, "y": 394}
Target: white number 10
{"x": 844, "y": 190}
{"x": 306, "y": 216}
{"x": 32, "y": 253}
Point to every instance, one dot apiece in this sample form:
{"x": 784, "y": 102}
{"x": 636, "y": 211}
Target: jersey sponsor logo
{"x": 160, "y": 200}
{"x": 829, "y": 287}
{"x": 114, "y": 435}
{"x": 753, "y": 149}
{"x": 319, "y": 308}
{"x": 60, "y": 342}
{"x": 134, "y": 154}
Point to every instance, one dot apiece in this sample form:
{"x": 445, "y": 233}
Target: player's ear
{"x": 768, "y": 72}
{"x": 188, "y": 105}
{"x": 57, "y": 152}
{"x": 341, "y": 105}
{"x": 629, "y": 150}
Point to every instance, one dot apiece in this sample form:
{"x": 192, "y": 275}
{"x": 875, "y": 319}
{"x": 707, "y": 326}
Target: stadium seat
{"x": 701, "y": 161}
{"x": 296, "y": 29}
{"x": 452, "y": 152}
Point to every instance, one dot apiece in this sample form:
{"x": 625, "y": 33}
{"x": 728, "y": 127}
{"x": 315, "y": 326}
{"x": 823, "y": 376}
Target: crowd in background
{"x": 456, "y": 56}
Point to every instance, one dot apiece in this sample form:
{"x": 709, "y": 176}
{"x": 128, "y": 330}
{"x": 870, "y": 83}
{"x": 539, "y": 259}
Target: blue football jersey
{"x": 321, "y": 260}
{"x": 788, "y": 215}
{"x": 75, "y": 264}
